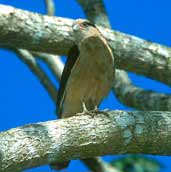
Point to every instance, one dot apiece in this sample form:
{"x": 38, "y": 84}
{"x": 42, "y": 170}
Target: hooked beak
{"x": 75, "y": 27}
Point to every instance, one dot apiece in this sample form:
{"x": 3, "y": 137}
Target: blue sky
{"x": 24, "y": 100}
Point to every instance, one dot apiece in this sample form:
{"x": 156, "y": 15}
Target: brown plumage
{"x": 88, "y": 73}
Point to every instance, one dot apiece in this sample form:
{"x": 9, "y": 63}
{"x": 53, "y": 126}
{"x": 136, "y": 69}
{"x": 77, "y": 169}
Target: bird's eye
{"x": 86, "y": 24}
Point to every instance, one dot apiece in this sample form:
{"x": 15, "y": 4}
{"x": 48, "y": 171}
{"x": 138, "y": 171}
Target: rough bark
{"x": 78, "y": 137}
{"x": 33, "y": 31}
{"x": 138, "y": 98}
{"x": 54, "y": 35}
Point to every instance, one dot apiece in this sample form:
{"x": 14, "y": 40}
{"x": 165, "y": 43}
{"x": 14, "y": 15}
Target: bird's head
{"x": 83, "y": 28}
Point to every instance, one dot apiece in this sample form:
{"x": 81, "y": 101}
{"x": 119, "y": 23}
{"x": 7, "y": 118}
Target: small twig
{"x": 50, "y": 7}
{"x": 30, "y": 61}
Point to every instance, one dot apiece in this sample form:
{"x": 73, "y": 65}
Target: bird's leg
{"x": 92, "y": 112}
{"x": 95, "y": 109}
{"x": 85, "y": 110}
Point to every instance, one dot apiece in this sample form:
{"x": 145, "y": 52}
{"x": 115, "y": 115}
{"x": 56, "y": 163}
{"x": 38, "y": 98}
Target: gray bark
{"x": 138, "y": 98}
{"x": 78, "y": 137}
{"x": 54, "y": 35}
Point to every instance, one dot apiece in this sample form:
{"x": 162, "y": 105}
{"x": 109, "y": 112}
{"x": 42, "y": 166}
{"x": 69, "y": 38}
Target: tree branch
{"x": 50, "y": 6}
{"x": 95, "y": 12}
{"x": 35, "y": 32}
{"x": 54, "y": 35}
{"x": 79, "y": 137}
{"x": 139, "y": 98}
{"x": 54, "y": 63}
{"x": 30, "y": 61}
{"x": 50, "y": 156}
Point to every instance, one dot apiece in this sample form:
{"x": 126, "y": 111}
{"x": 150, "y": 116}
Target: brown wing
{"x": 72, "y": 57}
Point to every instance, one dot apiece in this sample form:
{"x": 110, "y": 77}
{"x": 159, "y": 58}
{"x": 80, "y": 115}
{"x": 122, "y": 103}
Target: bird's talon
{"x": 93, "y": 112}
{"x": 96, "y": 109}
{"x": 85, "y": 110}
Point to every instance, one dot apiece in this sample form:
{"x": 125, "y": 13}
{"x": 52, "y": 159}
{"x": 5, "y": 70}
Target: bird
{"x": 87, "y": 76}
{"x": 88, "y": 73}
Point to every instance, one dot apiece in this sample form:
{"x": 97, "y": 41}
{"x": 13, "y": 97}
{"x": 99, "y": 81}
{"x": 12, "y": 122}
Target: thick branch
{"x": 78, "y": 137}
{"x": 33, "y": 31}
{"x": 54, "y": 35}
